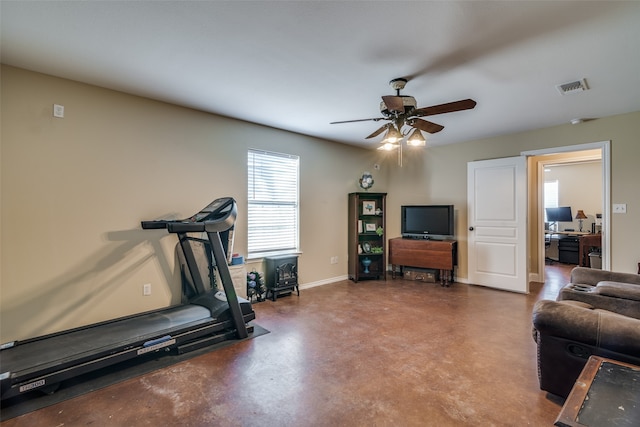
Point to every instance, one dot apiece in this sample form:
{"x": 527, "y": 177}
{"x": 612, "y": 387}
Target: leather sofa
{"x": 597, "y": 313}
{"x": 607, "y": 290}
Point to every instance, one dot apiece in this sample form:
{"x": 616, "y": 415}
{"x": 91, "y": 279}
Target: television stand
{"x": 422, "y": 253}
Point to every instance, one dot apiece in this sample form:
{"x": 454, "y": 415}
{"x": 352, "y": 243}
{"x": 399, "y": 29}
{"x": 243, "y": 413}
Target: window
{"x": 550, "y": 196}
{"x": 272, "y": 216}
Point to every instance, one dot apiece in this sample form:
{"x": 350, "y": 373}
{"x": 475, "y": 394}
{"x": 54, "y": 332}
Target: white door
{"x": 497, "y": 223}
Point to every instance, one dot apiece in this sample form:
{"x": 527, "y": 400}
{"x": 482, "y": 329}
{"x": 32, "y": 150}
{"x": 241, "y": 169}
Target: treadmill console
{"x": 218, "y": 215}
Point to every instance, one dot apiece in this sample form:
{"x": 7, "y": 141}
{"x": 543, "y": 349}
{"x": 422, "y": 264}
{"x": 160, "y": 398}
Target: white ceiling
{"x": 300, "y": 65}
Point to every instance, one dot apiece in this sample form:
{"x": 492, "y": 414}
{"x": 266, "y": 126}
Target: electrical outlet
{"x": 146, "y": 289}
{"x": 334, "y": 260}
{"x": 619, "y": 208}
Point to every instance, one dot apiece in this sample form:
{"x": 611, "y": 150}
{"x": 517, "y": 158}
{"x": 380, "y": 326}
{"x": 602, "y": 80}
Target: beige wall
{"x": 74, "y": 191}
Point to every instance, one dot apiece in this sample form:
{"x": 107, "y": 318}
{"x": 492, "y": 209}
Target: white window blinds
{"x": 272, "y": 203}
{"x": 550, "y": 195}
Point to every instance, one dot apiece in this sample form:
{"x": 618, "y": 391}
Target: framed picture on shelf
{"x": 370, "y": 227}
{"x": 369, "y": 207}
{"x": 366, "y": 247}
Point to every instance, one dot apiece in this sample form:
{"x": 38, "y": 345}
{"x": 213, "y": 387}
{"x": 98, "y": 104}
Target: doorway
{"x": 538, "y": 161}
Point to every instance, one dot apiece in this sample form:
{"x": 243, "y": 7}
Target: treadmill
{"x": 206, "y": 316}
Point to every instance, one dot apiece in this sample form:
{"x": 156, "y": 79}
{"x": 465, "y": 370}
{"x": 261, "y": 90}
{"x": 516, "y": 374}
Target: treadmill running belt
{"x": 57, "y": 350}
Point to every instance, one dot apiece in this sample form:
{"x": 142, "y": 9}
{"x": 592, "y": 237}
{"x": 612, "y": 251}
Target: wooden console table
{"x": 605, "y": 395}
{"x": 422, "y": 253}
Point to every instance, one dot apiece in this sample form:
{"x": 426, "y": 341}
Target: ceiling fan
{"x": 401, "y": 111}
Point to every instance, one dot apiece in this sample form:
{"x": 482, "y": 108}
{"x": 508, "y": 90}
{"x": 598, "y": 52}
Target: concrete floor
{"x": 372, "y": 353}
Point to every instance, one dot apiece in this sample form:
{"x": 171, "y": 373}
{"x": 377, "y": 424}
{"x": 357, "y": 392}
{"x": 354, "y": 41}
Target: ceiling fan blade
{"x": 450, "y": 107}
{"x": 394, "y": 103}
{"x": 425, "y": 125}
{"x": 375, "y": 119}
{"x": 378, "y": 131}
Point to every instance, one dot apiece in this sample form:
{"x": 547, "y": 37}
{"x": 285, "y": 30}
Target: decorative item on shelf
{"x": 366, "y": 247}
{"x": 256, "y": 287}
{"x": 580, "y": 216}
{"x": 379, "y": 231}
{"x": 376, "y": 250}
{"x": 366, "y": 263}
{"x": 370, "y": 227}
{"x": 366, "y": 181}
{"x": 368, "y": 207}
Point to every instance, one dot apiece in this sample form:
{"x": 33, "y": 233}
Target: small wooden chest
{"x": 421, "y": 274}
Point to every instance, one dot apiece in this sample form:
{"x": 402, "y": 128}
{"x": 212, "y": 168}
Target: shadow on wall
{"x": 99, "y": 274}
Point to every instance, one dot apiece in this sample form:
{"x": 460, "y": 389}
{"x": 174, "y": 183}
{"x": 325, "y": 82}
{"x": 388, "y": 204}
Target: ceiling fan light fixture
{"x": 393, "y": 136}
{"x": 387, "y": 146}
{"x": 416, "y": 139}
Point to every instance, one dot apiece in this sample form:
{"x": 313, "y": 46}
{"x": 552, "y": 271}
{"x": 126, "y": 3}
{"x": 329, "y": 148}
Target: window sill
{"x": 259, "y": 256}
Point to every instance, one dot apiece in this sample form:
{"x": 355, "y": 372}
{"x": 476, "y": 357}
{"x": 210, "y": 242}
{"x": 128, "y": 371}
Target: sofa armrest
{"x": 591, "y": 276}
{"x": 578, "y": 321}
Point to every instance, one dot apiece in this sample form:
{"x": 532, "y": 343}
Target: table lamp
{"x": 580, "y": 216}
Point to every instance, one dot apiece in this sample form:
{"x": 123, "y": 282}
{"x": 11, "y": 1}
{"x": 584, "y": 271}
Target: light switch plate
{"x": 619, "y": 208}
{"x": 58, "y": 111}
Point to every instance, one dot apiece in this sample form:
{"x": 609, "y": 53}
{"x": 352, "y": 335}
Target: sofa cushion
{"x": 618, "y": 290}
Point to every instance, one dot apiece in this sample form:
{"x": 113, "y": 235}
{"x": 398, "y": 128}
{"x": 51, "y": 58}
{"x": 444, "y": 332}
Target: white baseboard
{"x": 535, "y": 277}
{"x": 323, "y": 282}
{"x": 346, "y": 277}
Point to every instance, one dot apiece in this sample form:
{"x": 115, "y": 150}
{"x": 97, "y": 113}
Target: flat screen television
{"x": 427, "y": 221}
{"x": 560, "y": 214}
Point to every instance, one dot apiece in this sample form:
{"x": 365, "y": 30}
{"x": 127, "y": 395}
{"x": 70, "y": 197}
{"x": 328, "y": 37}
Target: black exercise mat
{"x": 92, "y": 381}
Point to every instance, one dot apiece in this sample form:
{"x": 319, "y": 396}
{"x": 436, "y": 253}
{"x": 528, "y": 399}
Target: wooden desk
{"x": 437, "y": 254}
{"x": 586, "y": 242}
{"x": 606, "y": 394}
{"x": 566, "y": 233}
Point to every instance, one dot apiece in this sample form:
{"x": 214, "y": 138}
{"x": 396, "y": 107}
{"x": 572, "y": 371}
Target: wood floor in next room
{"x": 372, "y": 353}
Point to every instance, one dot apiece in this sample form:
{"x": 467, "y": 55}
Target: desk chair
{"x": 547, "y": 245}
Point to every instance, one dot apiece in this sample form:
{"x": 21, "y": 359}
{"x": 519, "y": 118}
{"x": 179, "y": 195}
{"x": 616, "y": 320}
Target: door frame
{"x": 605, "y": 150}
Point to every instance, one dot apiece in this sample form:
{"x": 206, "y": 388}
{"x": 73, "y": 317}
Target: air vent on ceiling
{"x": 572, "y": 87}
